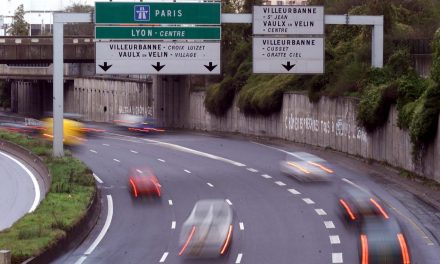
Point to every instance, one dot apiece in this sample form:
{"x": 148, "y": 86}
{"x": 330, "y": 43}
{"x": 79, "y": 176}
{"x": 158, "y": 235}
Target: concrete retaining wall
{"x": 329, "y": 123}
{"x": 100, "y": 100}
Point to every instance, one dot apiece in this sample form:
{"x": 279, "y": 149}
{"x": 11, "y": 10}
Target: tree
{"x": 19, "y": 27}
{"x": 79, "y": 29}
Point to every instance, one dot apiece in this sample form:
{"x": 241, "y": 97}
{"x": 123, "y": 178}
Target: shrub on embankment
{"x": 70, "y": 194}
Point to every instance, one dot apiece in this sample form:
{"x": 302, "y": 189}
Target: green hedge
{"x": 71, "y": 192}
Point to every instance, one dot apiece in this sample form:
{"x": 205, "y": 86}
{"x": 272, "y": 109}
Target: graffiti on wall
{"x": 136, "y": 110}
{"x": 340, "y": 127}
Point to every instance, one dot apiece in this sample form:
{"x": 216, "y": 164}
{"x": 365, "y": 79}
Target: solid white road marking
{"x": 354, "y": 184}
{"x": 33, "y": 179}
{"x": 308, "y": 201}
{"x": 81, "y": 260}
{"x": 252, "y": 170}
{"x": 187, "y": 171}
{"x": 241, "y": 225}
{"x": 266, "y": 176}
{"x": 209, "y": 184}
{"x": 161, "y": 160}
{"x": 320, "y": 212}
{"x": 164, "y": 257}
{"x": 93, "y": 151}
{"x": 239, "y": 256}
{"x": 329, "y": 224}
{"x": 170, "y": 202}
{"x": 228, "y": 201}
{"x": 135, "y": 152}
{"x": 280, "y": 183}
{"x": 293, "y": 191}
{"x": 104, "y": 230}
{"x": 107, "y": 145}
{"x": 173, "y": 225}
{"x": 337, "y": 258}
{"x": 335, "y": 240}
{"x": 116, "y": 160}
{"x": 97, "y": 178}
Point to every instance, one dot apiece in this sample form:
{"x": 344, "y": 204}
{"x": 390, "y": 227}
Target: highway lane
{"x": 19, "y": 190}
{"x": 282, "y": 220}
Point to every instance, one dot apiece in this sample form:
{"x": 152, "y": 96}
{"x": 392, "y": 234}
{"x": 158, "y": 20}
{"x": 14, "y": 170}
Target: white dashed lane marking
{"x": 173, "y": 225}
{"x": 187, "y": 171}
{"x": 170, "y": 202}
{"x": 164, "y": 257}
{"x": 337, "y": 258}
{"x": 320, "y": 212}
{"x": 228, "y": 201}
{"x": 93, "y": 151}
{"x": 241, "y": 224}
{"x": 97, "y": 178}
{"x": 238, "y": 260}
{"x": 308, "y": 201}
{"x": 329, "y": 224}
{"x": 334, "y": 240}
{"x": 107, "y": 145}
{"x": 161, "y": 160}
{"x": 210, "y": 184}
{"x": 266, "y": 176}
{"x": 138, "y": 170}
{"x": 116, "y": 160}
{"x": 252, "y": 170}
{"x": 135, "y": 152}
{"x": 293, "y": 191}
{"x": 280, "y": 183}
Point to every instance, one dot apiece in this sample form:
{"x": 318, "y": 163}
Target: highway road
{"x": 276, "y": 218}
{"x": 19, "y": 190}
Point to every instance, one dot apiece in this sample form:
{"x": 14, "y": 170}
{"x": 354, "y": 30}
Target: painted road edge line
{"x": 33, "y": 179}
{"x": 104, "y": 230}
{"x": 81, "y": 260}
{"x": 97, "y": 178}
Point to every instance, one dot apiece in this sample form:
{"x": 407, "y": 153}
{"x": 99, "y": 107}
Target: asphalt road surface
{"x": 19, "y": 190}
{"x": 276, "y": 218}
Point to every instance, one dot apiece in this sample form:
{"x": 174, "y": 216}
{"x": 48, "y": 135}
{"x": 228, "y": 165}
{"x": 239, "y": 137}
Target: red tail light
{"x": 227, "y": 241}
{"x": 134, "y": 188}
{"x": 364, "y": 245}
{"x": 191, "y": 234}
{"x": 348, "y": 209}
{"x": 404, "y": 249}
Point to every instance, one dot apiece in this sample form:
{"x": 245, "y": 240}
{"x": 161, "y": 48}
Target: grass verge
{"x": 70, "y": 194}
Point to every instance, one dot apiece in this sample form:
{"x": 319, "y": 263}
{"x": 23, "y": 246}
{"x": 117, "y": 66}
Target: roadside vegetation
{"x": 348, "y": 69}
{"x": 70, "y": 194}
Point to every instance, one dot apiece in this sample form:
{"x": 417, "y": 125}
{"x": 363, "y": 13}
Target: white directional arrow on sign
{"x": 157, "y": 57}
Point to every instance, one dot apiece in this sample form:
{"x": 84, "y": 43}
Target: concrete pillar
{"x": 5, "y": 257}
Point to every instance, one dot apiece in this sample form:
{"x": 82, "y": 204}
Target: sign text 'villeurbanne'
{"x": 283, "y": 20}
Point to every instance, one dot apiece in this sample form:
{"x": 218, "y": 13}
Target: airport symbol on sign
{"x": 142, "y": 13}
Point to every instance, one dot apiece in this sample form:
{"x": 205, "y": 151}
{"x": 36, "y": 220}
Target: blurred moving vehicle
{"x": 21, "y": 128}
{"x": 143, "y": 182}
{"x": 382, "y": 242}
{"x": 73, "y": 134}
{"x": 208, "y": 230}
{"x": 137, "y": 123}
{"x": 304, "y": 170}
{"x": 356, "y": 203}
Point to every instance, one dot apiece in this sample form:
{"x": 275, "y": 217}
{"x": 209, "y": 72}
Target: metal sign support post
{"x": 375, "y": 21}
{"x": 59, "y": 19}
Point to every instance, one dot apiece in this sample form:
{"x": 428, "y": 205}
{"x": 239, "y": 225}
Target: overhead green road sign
{"x": 205, "y": 33}
{"x": 158, "y": 13}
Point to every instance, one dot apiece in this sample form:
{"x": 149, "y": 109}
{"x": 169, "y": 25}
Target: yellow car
{"x": 73, "y": 131}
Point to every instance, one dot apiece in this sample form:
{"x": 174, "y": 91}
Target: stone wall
{"x": 101, "y": 99}
{"x": 329, "y": 123}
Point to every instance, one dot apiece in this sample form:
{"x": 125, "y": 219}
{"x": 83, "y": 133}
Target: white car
{"x": 208, "y": 230}
{"x": 305, "y": 170}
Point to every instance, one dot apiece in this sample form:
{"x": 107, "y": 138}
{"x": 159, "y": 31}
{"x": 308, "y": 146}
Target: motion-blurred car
{"x": 143, "y": 182}
{"x": 21, "y": 128}
{"x": 304, "y": 170}
{"x": 356, "y": 203}
{"x": 73, "y": 134}
{"x": 382, "y": 242}
{"x": 137, "y": 123}
{"x": 208, "y": 230}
